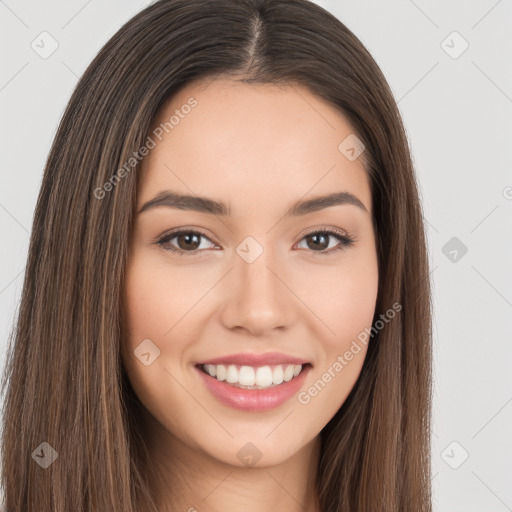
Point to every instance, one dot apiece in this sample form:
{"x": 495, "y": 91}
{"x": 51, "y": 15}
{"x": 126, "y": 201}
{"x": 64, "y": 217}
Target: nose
{"x": 257, "y": 297}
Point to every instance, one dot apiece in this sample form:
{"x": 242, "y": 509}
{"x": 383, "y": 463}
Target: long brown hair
{"x": 64, "y": 380}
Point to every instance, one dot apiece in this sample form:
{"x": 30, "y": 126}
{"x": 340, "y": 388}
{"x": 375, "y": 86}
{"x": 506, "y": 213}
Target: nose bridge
{"x": 257, "y": 299}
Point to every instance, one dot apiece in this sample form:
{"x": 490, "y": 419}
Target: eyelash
{"x": 345, "y": 241}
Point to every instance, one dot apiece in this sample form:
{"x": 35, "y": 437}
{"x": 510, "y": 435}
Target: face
{"x": 259, "y": 287}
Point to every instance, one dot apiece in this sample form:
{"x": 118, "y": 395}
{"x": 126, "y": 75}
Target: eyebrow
{"x": 172, "y": 199}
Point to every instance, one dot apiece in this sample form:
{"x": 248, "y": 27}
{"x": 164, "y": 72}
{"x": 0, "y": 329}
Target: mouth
{"x": 253, "y": 377}
{"x": 253, "y": 388}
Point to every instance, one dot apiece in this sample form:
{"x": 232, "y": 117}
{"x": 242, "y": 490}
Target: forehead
{"x": 250, "y": 144}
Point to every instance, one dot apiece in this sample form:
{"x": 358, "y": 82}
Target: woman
{"x": 226, "y": 302}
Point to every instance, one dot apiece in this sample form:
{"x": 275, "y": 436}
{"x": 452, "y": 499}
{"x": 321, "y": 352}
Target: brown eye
{"x": 319, "y": 241}
{"x": 186, "y": 242}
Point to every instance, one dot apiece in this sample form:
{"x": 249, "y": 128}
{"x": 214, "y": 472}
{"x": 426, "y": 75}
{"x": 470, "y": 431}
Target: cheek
{"x": 343, "y": 298}
{"x": 345, "y": 301}
{"x": 353, "y": 305}
{"x": 157, "y": 300}
{"x": 153, "y": 308}
{"x": 145, "y": 309}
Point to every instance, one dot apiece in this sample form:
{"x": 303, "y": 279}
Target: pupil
{"x": 324, "y": 245}
{"x": 188, "y": 238}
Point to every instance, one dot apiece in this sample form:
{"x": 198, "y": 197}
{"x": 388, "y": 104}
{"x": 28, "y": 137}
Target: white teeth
{"x": 252, "y": 377}
{"x": 263, "y": 376}
{"x": 221, "y": 372}
{"x": 232, "y": 375}
{"x": 210, "y": 368}
{"x": 277, "y": 375}
{"x": 246, "y": 376}
{"x": 288, "y": 373}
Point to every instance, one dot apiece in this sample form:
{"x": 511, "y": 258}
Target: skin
{"x": 259, "y": 148}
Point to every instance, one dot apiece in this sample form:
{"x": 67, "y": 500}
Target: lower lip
{"x": 254, "y": 400}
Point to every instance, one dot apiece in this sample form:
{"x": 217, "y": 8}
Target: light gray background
{"x": 458, "y": 115}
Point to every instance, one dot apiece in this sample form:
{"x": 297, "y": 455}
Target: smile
{"x": 250, "y": 377}
{"x": 252, "y": 397}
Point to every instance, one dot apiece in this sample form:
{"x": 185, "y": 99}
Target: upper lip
{"x": 268, "y": 358}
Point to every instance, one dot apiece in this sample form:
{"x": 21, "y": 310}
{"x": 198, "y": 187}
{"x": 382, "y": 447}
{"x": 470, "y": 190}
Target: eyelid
{"x": 323, "y": 229}
{"x": 188, "y": 229}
